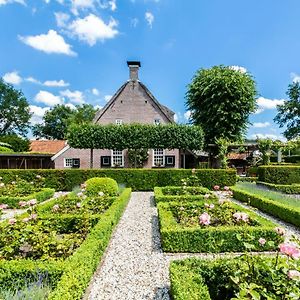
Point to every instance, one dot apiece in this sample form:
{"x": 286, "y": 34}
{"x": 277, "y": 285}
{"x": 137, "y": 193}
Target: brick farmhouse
{"x": 132, "y": 103}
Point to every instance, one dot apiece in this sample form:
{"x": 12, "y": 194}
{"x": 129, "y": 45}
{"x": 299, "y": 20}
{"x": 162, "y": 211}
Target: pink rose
{"x": 226, "y": 188}
{"x": 32, "y": 202}
{"x": 204, "y": 219}
{"x": 12, "y": 221}
{"x": 240, "y": 216}
{"x": 293, "y": 274}
{"x": 80, "y": 194}
{"x": 55, "y": 208}
{"x": 2, "y": 185}
{"x": 22, "y": 203}
{"x": 206, "y": 205}
{"x": 78, "y": 205}
{"x": 262, "y": 241}
{"x": 216, "y": 187}
{"x": 290, "y": 250}
{"x": 211, "y": 206}
{"x": 280, "y": 230}
{"x": 26, "y": 220}
{"x": 83, "y": 186}
{"x": 3, "y": 206}
{"x": 33, "y": 217}
{"x": 206, "y": 196}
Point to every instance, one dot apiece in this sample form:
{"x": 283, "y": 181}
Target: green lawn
{"x": 272, "y": 195}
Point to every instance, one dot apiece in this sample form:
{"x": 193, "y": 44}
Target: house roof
{"x": 240, "y": 156}
{"x": 169, "y": 114}
{"x": 47, "y": 146}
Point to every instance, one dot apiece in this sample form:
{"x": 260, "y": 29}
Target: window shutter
{"x": 105, "y": 161}
{"x": 170, "y": 160}
{"x": 76, "y": 163}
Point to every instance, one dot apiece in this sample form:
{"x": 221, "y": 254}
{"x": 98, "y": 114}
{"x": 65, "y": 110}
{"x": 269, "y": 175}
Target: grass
{"x": 272, "y": 195}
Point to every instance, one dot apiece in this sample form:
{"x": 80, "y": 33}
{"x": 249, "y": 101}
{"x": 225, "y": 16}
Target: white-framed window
{"x": 158, "y": 157}
{"x": 117, "y": 158}
{"x": 156, "y": 121}
{"x": 68, "y": 162}
{"x": 119, "y": 121}
{"x": 170, "y": 160}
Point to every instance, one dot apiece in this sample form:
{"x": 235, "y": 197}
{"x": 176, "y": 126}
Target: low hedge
{"x": 40, "y": 196}
{"x": 80, "y": 267}
{"x": 105, "y": 185}
{"x": 161, "y": 196}
{"x": 279, "y": 174}
{"x": 137, "y": 179}
{"x": 284, "y": 212}
{"x": 178, "y": 238}
{"x": 284, "y": 188}
{"x": 19, "y": 273}
{"x": 246, "y": 179}
{"x": 292, "y": 159}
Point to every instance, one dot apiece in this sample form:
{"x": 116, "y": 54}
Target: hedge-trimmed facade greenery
{"x": 279, "y": 210}
{"x": 137, "y": 179}
{"x": 135, "y": 136}
{"x": 284, "y": 188}
{"x": 279, "y": 174}
{"x": 40, "y": 196}
{"x": 177, "y": 238}
{"x": 175, "y": 193}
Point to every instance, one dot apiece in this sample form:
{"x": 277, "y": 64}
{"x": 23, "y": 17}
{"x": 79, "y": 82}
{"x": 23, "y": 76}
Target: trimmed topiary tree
{"x": 96, "y": 185}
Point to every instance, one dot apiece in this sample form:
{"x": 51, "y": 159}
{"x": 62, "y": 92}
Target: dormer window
{"x": 119, "y": 121}
{"x": 156, "y": 121}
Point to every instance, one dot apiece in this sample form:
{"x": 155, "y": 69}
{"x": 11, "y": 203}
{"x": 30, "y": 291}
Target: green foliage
{"x": 265, "y": 146}
{"x": 222, "y": 144}
{"x": 137, "y": 157}
{"x": 96, "y": 185}
{"x": 284, "y": 188}
{"x": 17, "y": 143}
{"x": 5, "y": 150}
{"x": 80, "y": 267}
{"x": 135, "y": 136}
{"x": 246, "y": 179}
{"x": 221, "y": 100}
{"x": 60, "y": 117}
{"x": 14, "y": 110}
{"x": 178, "y": 237}
{"x": 279, "y": 174}
{"x": 284, "y": 212}
{"x": 137, "y": 179}
{"x": 289, "y": 113}
{"x": 292, "y": 159}
{"x": 179, "y": 194}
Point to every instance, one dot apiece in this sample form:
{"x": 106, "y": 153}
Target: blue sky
{"x": 75, "y": 51}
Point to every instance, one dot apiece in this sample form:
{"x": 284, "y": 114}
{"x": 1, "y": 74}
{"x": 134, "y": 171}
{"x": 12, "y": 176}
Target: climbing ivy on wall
{"x": 135, "y": 136}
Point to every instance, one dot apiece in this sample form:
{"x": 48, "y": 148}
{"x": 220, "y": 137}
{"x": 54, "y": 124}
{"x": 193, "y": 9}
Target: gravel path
{"x": 134, "y": 266}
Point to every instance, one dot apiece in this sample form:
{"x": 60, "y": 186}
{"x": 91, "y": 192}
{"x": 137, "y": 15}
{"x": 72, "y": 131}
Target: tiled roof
{"x": 233, "y": 155}
{"x": 46, "y": 146}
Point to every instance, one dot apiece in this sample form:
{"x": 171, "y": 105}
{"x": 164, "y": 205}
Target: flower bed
{"x": 246, "y": 277}
{"x": 176, "y": 193}
{"x": 211, "y": 227}
{"x": 71, "y": 237}
{"x": 286, "y": 212}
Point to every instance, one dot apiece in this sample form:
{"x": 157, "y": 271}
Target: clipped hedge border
{"x": 246, "y": 179}
{"x": 177, "y": 238}
{"x": 137, "y": 179}
{"x": 13, "y": 202}
{"x": 161, "y": 197}
{"x": 279, "y": 174}
{"x": 279, "y": 210}
{"x": 284, "y": 188}
{"x": 80, "y": 267}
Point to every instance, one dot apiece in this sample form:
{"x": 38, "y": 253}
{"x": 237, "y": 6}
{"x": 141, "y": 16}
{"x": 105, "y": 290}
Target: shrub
{"x": 137, "y": 179}
{"x": 284, "y": 188}
{"x": 279, "y": 174}
{"x": 179, "y": 236}
{"x": 96, "y": 185}
{"x": 292, "y": 159}
{"x": 282, "y": 211}
{"x": 246, "y": 179}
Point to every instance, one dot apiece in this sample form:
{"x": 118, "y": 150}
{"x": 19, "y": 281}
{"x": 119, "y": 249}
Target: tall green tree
{"x": 14, "y": 111}
{"x": 289, "y": 113}
{"x": 17, "y": 143}
{"x": 220, "y": 100}
{"x": 57, "y": 120}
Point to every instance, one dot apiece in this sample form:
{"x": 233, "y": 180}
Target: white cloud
{"x": 266, "y": 136}
{"x": 81, "y": 4}
{"x": 264, "y": 103}
{"x": 4, "y": 2}
{"x": 107, "y": 97}
{"x": 258, "y": 111}
{"x": 238, "y": 69}
{"x": 149, "y": 18}
{"x": 113, "y": 5}
{"x": 75, "y": 96}
{"x": 48, "y": 98}
{"x": 70, "y": 105}
{"x": 92, "y": 29}
{"x": 98, "y": 106}
{"x": 261, "y": 124}
{"x": 95, "y": 92}
{"x": 37, "y": 114}
{"x": 134, "y": 22}
{"x": 56, "y": 83}
{"x": 12, "y": 77}
{"x": 295, "y": 77}
{"x": 32, "y": 80}
{"x": 51, "y": 42}
{"x": 61, "y": 19}
{"x": 187, "y": 115}
{"x": 176, "y": 118}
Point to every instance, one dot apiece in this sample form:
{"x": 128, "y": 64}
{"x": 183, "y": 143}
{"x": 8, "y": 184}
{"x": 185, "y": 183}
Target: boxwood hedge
{"x": 279, "y": 174}
{"x": 137, "y": 179}
{"x": 178, "y": 238}
{"x": 284, "y": 188}
{"x": 284, "y": 212}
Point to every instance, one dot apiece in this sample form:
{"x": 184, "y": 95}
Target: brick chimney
{"x": 134, "y": 70}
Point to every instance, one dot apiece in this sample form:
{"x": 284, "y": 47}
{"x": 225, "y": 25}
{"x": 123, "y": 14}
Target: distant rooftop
{"x": 46, "y": 146}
